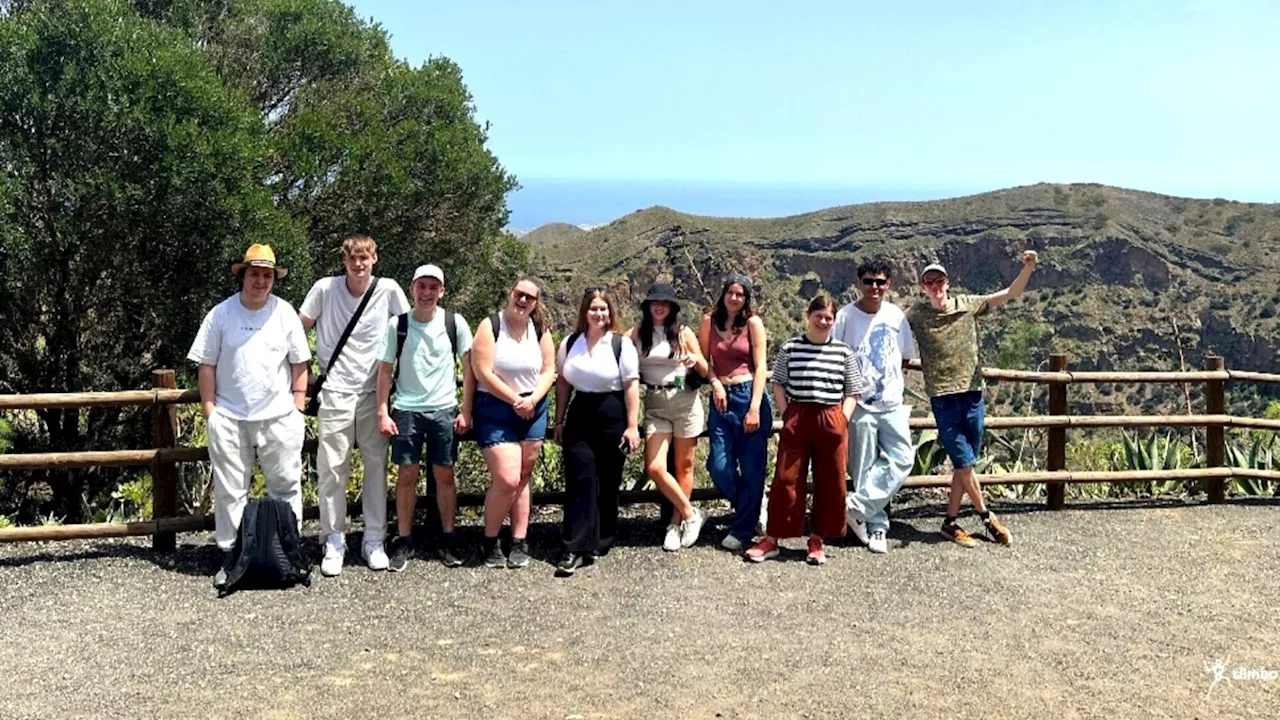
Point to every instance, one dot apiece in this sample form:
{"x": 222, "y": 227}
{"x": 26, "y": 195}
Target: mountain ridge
{"x": 1128, "y": 278}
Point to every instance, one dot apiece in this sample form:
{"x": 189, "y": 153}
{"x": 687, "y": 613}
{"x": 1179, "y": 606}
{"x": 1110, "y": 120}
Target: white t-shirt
{"x": 331, "y": 305}
{"x": 252, "y": 351}
{"x": 880, "y": 343}
{"x": 519, "y": 364}
{"x": 598, "y": 372}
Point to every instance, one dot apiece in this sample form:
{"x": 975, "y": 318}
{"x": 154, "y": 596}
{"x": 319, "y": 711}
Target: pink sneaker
{"x": 817, "y": 555}
{"x": 763, "y": 550}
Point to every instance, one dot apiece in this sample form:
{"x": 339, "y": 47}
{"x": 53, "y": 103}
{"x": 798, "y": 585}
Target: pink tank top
{"x": 733, "y": 356}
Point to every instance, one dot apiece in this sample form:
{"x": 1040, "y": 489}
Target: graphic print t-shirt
{"x": 880, "y": 343}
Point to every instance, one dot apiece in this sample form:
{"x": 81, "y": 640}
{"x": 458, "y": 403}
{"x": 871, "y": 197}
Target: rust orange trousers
{"x": 812, "y": 436}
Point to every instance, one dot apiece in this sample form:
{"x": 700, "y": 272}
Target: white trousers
{"x": 232, "y": 447}
{"x": 347, "y": 421}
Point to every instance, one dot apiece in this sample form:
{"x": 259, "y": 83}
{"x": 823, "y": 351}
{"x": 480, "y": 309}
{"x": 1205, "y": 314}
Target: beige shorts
{"x": 668, "y": 410}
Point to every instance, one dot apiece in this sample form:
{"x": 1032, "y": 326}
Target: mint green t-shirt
{"x": 427, "y": 373}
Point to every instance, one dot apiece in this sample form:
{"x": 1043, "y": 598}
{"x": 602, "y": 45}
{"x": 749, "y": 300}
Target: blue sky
{"x": 912, "y": 98}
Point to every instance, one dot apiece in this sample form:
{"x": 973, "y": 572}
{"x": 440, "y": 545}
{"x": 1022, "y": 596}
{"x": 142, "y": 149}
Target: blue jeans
{"x": 960, "y": 419}
{"x": 737, "y": 459}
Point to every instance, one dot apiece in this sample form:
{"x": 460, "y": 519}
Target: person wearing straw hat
{"x": 253, "y": 357}
{"x": 347, "y": 417}
{"x": 673, "y": 414}
{"x": 946, "y": 333}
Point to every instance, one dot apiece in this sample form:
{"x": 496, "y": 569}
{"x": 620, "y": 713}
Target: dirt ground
{"x": 1100, "y": 611}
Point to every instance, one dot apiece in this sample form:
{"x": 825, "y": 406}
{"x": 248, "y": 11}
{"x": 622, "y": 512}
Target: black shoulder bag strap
{"x": 402, "y": 333}
{"x": 313, "y": 397}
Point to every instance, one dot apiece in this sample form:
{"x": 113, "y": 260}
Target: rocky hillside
{"x": 1127, "y": 279}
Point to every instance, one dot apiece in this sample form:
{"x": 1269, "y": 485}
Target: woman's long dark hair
{"x": 671, "y": 328}
{"x": 720, "y": 316}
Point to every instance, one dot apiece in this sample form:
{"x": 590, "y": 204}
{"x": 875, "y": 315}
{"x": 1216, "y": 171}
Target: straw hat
{"x": 259, "y": 256}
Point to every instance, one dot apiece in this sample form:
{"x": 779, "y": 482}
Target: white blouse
{"x": 598, "y": 371}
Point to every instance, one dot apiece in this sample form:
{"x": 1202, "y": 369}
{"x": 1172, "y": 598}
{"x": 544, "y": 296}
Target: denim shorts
{"x": 960, "y": 420}
{"x": 497, "y": 422}
{"x": 434, "y": 428}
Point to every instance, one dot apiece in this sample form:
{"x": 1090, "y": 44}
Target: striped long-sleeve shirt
{"x": 822, "y": 374}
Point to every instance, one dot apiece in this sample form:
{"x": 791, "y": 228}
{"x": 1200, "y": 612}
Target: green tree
{"x": 131, "y": 177}
{"x": 361, "y": 142}
{"x": 145, "y": 144}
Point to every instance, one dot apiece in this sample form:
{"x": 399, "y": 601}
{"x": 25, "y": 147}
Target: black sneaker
{"x": 450, "y": 557}
{"x": 496, "y": 559}
{"x": 569, "y": 564}
{"x": 401, "y": 549}
{"x": 519, "y": 554}
{"x": 220, "y": 577}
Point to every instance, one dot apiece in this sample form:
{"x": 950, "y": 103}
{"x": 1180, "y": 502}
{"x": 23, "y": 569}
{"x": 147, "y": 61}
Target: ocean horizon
{"x": 593, "y": 202}
{"x": 597, "y": 202}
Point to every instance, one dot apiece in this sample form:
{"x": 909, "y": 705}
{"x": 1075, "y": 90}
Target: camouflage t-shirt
{"x": 947, "y": 341}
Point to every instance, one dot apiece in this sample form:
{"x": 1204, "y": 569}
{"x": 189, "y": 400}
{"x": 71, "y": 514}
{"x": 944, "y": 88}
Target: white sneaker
{"x": 857, "y": 526}
{"x": 690, "y": 528}
{"x": 671, "y": 542}
{"x": 878, "y": 542}
{"x": 334, "y": 552}
{"x": 731, "y": 543}
{"x": 376, "y": 556}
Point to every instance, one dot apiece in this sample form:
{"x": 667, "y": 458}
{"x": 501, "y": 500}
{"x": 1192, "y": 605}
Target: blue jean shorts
{"x": 433, "y": 429}
{"x": 960, "y": 420}
{"x": 497, "y": 422}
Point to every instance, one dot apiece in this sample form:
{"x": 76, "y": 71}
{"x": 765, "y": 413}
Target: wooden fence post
{"x": 1215, "y": 435}
{"x": 1057, "y": 459}
{"x": 164, "y": 475}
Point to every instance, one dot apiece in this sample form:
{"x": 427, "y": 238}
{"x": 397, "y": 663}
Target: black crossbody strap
{"x": 342, "y": 341}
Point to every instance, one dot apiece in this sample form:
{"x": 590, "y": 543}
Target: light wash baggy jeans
{"x": 880, "y": 459}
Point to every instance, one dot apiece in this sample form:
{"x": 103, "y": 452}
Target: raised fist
{"x": 1029, "y": 258}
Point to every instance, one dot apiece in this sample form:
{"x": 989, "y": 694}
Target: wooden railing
{"x": 164, "y": 457}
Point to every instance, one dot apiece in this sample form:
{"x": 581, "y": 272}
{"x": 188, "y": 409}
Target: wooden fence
{"x": 164, "y": 457}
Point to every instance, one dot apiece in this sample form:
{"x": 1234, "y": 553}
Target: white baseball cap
{"x": 932, "y": 267}
{"x": 430, "y": 271}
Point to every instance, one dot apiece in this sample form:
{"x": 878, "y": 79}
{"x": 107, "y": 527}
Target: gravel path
{"x": 1102, "y": 612}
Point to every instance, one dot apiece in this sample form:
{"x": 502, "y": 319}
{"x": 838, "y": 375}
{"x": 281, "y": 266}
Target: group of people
{"x": 389, "y": 372}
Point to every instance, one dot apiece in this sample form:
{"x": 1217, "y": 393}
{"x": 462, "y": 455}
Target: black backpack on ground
{"x": 268, "y": 552}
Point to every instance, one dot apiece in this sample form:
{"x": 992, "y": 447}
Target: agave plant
{"x": 1156, "y": 454}
{"x": 1257, "y": 454}
{"x": 929, "y": 453}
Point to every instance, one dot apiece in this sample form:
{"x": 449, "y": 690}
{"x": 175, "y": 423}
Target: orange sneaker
{"x": 817, "y": 555}
{"x": 997, "y": 531}
{"x": 958, "y": 535}
{"x": 763, "y": 550}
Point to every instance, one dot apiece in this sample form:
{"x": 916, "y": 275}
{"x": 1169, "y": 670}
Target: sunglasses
{"x": 878, "y": 282}
{"x": 935, "y": 282}
{"x": 596, "y": 289}
{"x": 522, "y": 295}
